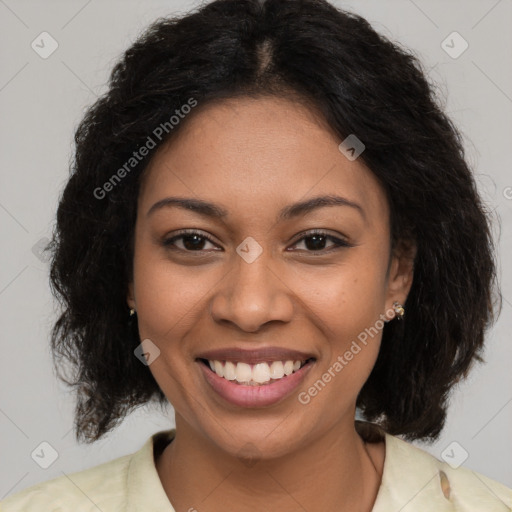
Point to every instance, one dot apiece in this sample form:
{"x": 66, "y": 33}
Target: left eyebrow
{"x": 303, "y": 207}
{"x": 212, "y": 210}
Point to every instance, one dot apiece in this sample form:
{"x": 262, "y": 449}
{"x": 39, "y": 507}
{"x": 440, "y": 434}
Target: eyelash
{"x": 339, "y": 243}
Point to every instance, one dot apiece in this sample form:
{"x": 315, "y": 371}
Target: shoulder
{"x": 129, "y": 483}
{"x": 413, "y": 479}
{"x": 79, "y": 491}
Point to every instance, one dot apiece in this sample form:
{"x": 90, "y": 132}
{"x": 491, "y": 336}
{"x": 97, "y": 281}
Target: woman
{"x": 258, "y": 230}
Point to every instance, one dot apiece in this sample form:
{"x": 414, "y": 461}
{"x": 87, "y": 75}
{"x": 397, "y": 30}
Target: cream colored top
{"x": 412, "y": 481}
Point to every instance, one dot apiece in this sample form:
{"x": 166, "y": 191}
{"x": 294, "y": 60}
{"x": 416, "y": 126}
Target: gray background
{"x": 41, "y": 102}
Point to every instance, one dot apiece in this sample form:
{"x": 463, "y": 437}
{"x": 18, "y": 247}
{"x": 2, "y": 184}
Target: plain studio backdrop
{"x": 465, "y": 46}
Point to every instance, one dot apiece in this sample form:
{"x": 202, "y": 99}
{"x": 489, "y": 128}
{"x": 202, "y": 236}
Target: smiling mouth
{"x": 259, "y": 374}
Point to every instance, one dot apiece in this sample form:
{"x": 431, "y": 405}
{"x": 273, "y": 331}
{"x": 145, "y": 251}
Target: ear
{"x": 401, "y": 273}
{"x": 130, "y": 296}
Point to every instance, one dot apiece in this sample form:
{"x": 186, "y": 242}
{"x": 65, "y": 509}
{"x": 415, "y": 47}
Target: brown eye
{"x": 191, "y": 241}
{"x": 315, "y": 241}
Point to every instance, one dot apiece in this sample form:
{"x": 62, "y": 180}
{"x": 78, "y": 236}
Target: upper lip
{"x": 251, "y": 356}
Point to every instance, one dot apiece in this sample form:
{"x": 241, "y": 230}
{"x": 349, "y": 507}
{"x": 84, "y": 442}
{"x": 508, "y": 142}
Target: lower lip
{"x": 255, "y": 396}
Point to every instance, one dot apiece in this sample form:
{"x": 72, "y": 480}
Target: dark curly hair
{"x": 361, "y": 83}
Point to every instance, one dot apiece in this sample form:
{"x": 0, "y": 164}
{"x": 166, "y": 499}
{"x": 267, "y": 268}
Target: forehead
{"x": 254, "y": 155}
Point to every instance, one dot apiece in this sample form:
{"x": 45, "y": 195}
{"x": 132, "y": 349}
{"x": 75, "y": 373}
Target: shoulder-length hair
{"x": 361, "y": 83}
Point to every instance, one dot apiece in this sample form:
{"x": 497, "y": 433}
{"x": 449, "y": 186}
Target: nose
{"x": 252, "y": 295}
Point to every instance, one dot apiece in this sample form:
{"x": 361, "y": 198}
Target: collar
{"x": 144, "y": 488}
{"x": 411, "y": 478}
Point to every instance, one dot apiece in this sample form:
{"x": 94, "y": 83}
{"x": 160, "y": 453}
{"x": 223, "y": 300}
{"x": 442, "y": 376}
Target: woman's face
{"x": 259, "y": 285}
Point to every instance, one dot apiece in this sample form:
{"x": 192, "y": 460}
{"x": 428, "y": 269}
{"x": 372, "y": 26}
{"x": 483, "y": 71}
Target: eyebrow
{"x": 211, "y": 210}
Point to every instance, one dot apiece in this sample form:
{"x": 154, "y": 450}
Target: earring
{"x": 399, "y": 310}
{"x": 132, "y": 312}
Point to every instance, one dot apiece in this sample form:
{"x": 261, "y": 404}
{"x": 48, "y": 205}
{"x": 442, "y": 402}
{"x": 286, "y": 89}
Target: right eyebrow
{"x": 199, "y": 206}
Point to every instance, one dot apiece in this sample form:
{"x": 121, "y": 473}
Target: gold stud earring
{"x": 399, "y": 310}
{"x": 132, "y": 312}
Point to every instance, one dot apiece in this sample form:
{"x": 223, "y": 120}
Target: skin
{"x": 253, "y": 157}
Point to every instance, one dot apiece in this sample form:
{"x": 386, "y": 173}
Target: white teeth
{"x": 243, "y": 372}
{"x": 277, "y": 370}
{"x": 218, "y": 368}
{"x": 288, "y": 367}
{"x": 261, "y": 373}
{"x": 229, "y": 371}
{"x": 256, "y": 374}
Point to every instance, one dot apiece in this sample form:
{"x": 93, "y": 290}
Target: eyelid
{"x": 319, "y": 231}
{"x": 183, "y": 232}
{"x": 340, "y": 241}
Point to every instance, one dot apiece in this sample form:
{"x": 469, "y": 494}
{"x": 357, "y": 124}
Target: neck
{"x": 335, "y": 472}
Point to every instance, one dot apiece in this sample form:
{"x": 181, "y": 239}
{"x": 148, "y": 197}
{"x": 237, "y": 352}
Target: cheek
{"x": 346, "y": 304}
{"x": 168, "y": 303}
{"x": 345, "y": 299}
{"x": 169, "y": 296}
{"x": 346, "y": 308}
